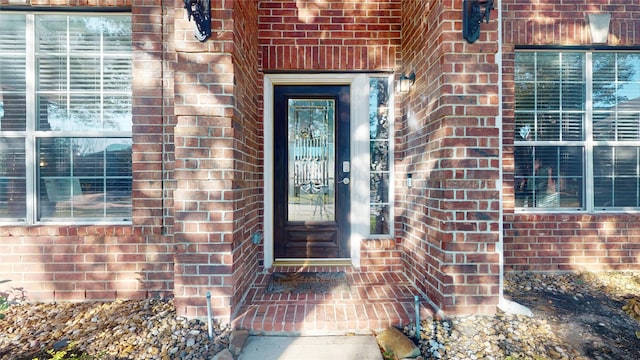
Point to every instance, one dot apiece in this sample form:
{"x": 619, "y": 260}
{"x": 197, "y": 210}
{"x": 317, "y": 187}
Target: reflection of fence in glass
{"x": 312, "y": 174}
{"x": 85, "y": 178}
{"x": 311, "y": 161}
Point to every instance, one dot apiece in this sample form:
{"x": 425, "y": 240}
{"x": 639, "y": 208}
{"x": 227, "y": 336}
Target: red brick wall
{"x": 448, "y": 141}
{"x": 218, "y": 193}
{"x": 197, "y": 154}
{"x": 329, "y": 35}
{"x": 83, "y": 263}
{"x": 548, "y": 22}
{"x": 104, "y": 262}
{"x": 380, "y": 255}
{"x": 152, "y": 121}
{"x": 247, "y": 135}
{"x": 563, "y": 242}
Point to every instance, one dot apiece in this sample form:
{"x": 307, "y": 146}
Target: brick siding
{"x": 106, "y": 262}
{"x": 448, "y": 140}
{"x": 380, "y": 255}
{"x": 218, "y": 197}
{"x": 197, "y": 154}
{"x": 563, "y": 242}
{"x": 329, "y": 35}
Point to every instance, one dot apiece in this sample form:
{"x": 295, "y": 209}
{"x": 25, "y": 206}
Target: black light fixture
{"x": 200, "y": 11}
{"x": 405, "y": 82}
{"x": 473, "y": 13}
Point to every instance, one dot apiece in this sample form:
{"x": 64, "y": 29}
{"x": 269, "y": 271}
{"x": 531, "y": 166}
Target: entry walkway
{"x": 376, "y": 300}
{"x": 311, "y": 348}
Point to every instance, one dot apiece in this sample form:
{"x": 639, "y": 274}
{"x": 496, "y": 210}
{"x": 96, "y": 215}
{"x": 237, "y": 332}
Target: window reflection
{"x": 85, "y": 177}
{"x": 13, "y": 187}
{"x": 82, "y": 66}
{"x": 379, "y": 144}
{"x": 311, "y": 144}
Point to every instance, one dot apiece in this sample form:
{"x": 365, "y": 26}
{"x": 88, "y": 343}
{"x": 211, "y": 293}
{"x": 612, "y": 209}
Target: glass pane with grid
{"x": 84, "y": 177}
{"x": 616, "y": 96}
{"x": 379, "y": 150}
{"x": 550, "y": 110}
{"x": 82, "y": 67}
{"x": 542, "y": 133}
{"x": 549, "y": 177}
{"x": 616, "y": 181}
{"x": 12, "y": 72}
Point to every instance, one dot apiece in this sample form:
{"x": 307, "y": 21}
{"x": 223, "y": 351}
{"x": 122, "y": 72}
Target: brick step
{"x": 375, "y": 301}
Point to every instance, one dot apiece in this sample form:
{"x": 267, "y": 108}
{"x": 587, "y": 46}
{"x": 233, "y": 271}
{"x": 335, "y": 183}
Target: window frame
{"x": 588, "y": 143}
{"x": 360, "y": 164}
{"x": 388, "y": 144}
{"x": 32, "y": 134}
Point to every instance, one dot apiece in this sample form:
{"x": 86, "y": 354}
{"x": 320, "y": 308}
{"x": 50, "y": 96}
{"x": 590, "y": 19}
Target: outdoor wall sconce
{"x": 200, "y": 11}
{"x": 473, "y": 13}
{"x": 599, "y": 26}
{"x": 405, "y": 82}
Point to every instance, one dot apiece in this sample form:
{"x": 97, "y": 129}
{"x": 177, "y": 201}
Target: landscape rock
{"x": 223, "y": 355}
{"x": 632, "y": 307}
{"x": 132, "y": 329}
{"x": 237, "y": 340}
{"x": 577, "y": 316}
{"x": 394, "y": 341}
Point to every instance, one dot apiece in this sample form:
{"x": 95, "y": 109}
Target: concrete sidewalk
{"x": 357, "y": 347}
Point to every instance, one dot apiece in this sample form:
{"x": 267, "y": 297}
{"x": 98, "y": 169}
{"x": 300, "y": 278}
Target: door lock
{"x": 346, "y": 181}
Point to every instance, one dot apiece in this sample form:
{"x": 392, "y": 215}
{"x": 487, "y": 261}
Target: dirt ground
{"x": 586, "y": 310}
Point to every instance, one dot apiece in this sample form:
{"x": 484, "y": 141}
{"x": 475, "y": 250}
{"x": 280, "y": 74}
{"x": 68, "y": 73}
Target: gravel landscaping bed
{"x": 576, "y": 316}
{"x": 146, "y": 329}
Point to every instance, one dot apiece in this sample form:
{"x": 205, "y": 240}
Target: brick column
{"x": 203, "y": 86}
{"x": 217, "y": 199}
{"x": 450, "y": 146}
{"x": 151, "y": 113}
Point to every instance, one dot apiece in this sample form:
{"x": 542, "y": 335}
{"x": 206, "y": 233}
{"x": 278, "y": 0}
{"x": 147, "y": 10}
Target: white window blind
{"x": 67, "y": 137}
{"x": 577, "y": 113}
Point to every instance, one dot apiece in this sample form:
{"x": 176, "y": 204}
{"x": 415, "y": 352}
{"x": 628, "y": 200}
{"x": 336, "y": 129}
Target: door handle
{"x": 345, "y": 181}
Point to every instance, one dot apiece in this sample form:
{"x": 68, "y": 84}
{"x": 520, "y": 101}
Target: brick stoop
{"x": 376, "y": 300}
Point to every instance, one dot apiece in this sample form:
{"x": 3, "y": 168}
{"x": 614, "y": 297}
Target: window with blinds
{"x": 577, "y": 130}
{"x": 65, "y": 117}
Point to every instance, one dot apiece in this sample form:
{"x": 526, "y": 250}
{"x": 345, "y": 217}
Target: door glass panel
{"x": 311, "y": 163}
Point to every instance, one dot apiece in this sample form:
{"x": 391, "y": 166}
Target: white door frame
{"x": 359, "y": 99}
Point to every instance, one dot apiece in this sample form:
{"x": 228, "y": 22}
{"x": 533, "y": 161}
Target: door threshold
{"x": 312, "y": 262}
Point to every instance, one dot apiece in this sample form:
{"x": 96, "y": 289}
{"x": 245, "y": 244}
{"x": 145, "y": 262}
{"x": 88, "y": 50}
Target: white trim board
{"x": 359, "y": 216}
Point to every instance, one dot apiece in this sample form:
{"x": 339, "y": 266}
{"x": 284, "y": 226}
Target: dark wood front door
{"x": 312, "y": 171}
